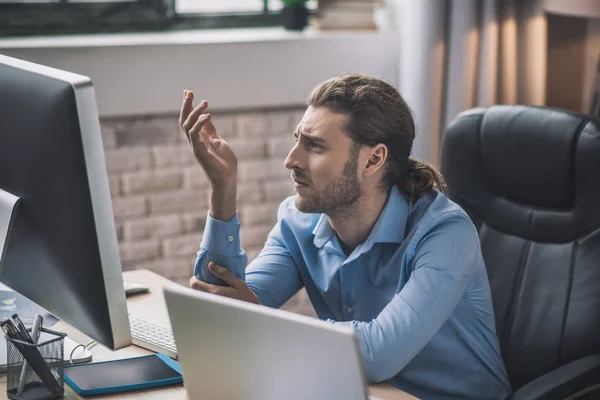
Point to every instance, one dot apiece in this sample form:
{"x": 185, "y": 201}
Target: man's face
{"x": 324, "y": 163}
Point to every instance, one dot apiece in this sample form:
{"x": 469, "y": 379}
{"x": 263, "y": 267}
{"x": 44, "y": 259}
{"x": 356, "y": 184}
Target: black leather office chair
{"x": 529, "y": 177}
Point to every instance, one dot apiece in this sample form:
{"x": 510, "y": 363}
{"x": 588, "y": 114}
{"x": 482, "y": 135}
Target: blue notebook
{"x": 123, "y": 375}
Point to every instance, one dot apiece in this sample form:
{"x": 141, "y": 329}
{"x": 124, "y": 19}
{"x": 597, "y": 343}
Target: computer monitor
{"x": 62, "y": 250}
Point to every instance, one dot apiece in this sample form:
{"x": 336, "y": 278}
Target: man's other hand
{"x": 237, "y": 288}
{"x": 211, "y": 151}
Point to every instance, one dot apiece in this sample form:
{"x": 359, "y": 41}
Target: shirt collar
{"x": 323, "y": 231}
{"x": 389, "y": 228}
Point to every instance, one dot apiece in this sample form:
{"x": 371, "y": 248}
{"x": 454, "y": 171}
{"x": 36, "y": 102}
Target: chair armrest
{"x": 563, "y": 382}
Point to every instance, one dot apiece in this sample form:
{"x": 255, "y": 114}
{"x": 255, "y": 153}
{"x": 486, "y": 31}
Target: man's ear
{"x": 376, "y": 158}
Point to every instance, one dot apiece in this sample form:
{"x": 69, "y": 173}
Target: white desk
{"x": 152, "y": 307}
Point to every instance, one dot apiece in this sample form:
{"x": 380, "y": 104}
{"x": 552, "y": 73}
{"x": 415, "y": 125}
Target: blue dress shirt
{"x": 416, "y": 291}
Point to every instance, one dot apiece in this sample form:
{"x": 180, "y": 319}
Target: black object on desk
{"x": 44, "y": 379}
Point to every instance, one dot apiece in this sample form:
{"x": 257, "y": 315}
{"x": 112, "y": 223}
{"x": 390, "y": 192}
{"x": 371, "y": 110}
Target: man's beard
{"x": 339, "y": 197}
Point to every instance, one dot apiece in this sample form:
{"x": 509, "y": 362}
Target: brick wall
{"x": 160, "y": 193}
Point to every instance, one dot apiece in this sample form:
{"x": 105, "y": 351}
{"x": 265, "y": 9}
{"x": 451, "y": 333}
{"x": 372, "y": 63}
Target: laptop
{"x": 230, "y": 350}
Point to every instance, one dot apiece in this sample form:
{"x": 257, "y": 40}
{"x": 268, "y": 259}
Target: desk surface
{"x": 152, "y": 307}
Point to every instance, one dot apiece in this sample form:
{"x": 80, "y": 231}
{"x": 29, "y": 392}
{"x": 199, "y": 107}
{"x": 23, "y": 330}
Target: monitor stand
{"x": 8, "y": 207}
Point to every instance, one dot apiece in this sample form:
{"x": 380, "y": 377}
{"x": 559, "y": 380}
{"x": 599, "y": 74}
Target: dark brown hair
{"x": 377, "y": 113}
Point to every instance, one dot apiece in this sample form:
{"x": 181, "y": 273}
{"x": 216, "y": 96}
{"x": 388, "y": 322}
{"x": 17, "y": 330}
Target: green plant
{"x": 288, "y": 3}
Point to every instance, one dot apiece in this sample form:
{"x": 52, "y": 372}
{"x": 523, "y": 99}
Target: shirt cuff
{"x": 222, "y": 237}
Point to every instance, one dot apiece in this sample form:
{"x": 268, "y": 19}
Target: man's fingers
{"x": 196, "y": 134}
{"x": 186, "y": 107}
{"x": 225, "y": 275}
{"x": 202, "y": 286}
{"x": 210, "y": 130}
{"x": 193, "y": 117}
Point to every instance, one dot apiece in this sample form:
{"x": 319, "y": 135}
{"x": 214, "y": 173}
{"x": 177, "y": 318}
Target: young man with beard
{"x": 371, "y": 237}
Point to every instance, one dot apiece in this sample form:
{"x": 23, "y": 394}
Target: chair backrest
{"x": 529, "y": 177}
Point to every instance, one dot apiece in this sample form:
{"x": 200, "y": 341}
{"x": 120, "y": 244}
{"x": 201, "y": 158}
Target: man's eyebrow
{"x": 312, "y": 138}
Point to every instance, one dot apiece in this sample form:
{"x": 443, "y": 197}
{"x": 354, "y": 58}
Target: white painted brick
{"x": 128, "y": 266}
{"x": 151, "y": 181}
{"x": 249, "y": 193}
{"x": 127, "y": 159}
{"x": 158, "y": 226}
{"x": 261, "y": 169}
{"x": 171, "y": 268}
{"x": 254, "y": 236}
{"x": 278, "y": 190}
{"x": 262, "y": 124}
{"x": 146, "y": 131}
{"x": 109, "y": 140}
{"x": 280, "y": 146}
{"x": 129, "y": 206}
{"x": 167, "y": 123}
{"x": 187, "y": 245}
{"x": 259, "y": 214}
{"x": 138, "y": 251}
{"x": 178, "y": 201}
{"x": 173, "y": 156}
{"x": 114, "y": 182}
{"x": 247, "y": 148}
{"x": 297, "y": 118}
{"x": 225, "y": 125}
{"x": 252, "y": 253}
{"x": 193, "y": 222}
{"x": 251, "y": 125}
{"x": 195, "y": 178}
{"x": 119, "y": 229}
{"x": 279, "y": 122}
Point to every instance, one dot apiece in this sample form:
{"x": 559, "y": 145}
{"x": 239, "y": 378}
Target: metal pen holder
{"x": 43, "y": 378}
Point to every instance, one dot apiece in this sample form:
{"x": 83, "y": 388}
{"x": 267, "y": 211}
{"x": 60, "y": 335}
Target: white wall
{"x": 234, "y": 69}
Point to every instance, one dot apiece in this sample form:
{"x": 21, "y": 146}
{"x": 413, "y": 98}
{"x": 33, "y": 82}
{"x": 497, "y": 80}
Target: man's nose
{"x": 294, "y": 159}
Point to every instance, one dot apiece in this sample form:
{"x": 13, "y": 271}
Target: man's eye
{"x": 313, "y": 145}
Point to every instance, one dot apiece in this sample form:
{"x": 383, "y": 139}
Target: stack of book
{"x": 346, "y": 14}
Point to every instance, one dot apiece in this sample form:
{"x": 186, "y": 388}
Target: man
{"x": 376, "y": 246}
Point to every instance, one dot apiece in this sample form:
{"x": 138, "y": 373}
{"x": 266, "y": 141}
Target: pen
{"x": 5, "y": 328}
{"x": 12, "y": 330}
{"x": 19, "y": 324}
{"x": 35, "y": 334}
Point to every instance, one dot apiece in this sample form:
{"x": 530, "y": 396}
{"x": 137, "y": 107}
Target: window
{"x": 220, "y": 6}
{"x": 229, "y": 6}
{"x": 48, "y": 17}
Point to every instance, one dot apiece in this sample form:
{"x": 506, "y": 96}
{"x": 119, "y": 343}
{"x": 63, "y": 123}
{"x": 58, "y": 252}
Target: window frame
{"x": 34, "y": 19}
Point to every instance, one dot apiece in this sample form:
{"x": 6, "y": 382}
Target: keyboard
{"x": 153, "y": 337}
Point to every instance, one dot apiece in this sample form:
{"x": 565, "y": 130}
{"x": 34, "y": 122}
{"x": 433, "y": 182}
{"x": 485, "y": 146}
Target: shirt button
{"x": 350, "y": 310}
{"x": 230, "y": 238}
